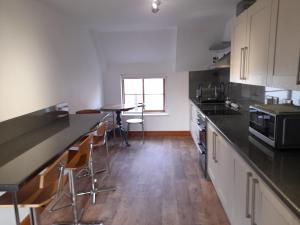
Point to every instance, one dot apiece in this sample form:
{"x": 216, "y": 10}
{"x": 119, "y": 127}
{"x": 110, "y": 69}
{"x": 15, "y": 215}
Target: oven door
{"x": 202, "y": 150}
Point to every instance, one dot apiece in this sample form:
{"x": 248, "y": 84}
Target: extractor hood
{"x": 223, "y": 62}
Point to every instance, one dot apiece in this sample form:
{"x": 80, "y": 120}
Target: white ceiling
{"x": 128, "y": 47}
{"x": 117, "y": 15}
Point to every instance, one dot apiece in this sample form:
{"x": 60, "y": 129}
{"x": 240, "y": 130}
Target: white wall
{"x": 176, "y": 94}
{"x": 46, "y": 58}
{"x": 194, "y": 40}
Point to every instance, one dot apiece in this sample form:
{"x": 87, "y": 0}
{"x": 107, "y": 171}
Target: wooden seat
{"x": 88, "y": 111}
{"x": 39, "y": 191}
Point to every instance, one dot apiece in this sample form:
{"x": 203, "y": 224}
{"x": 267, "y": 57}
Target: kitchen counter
{"x": 280, "y": 170}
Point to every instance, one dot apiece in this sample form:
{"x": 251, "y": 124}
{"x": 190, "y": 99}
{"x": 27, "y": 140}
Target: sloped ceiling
{"x": 129, "y": 47}
{"x": 126, "y": 31}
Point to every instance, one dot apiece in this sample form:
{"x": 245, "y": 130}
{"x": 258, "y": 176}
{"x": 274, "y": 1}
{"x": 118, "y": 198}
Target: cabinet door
{"x": 238, "y": 40}
{"x": 211, "y": 164}
{"x": 220, "y": 168}
{"x": 273, "y": 211}
{"x": 225, "y": 171}
{"x": 284, "y": 60}
{"x": 257, "y": 48}
{"x": 242, "y": 193}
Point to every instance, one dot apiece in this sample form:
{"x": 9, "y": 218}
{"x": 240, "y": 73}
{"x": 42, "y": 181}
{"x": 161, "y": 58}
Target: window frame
{"x": 143, "y": 91}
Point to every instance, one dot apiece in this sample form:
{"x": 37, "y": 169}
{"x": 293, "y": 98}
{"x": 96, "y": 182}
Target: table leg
{"x": 15, "y": 202}
{"x": 120, "y": 127}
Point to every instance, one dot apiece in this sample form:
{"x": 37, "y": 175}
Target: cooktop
{"x": 217, "y": 109}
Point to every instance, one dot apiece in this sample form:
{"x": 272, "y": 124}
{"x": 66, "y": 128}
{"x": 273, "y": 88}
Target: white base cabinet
{"x": 220, "y": 167}
{"x": 247, "y": 200}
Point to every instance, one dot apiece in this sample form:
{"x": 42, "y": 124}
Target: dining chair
{"x": 138, "y": 120}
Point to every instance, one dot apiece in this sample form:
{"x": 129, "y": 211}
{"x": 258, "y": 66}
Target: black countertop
{"x": 27, "y": 154}
{"x": 280, "y": 170}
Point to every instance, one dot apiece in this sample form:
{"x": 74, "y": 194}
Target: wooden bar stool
{"x": 99, "y": 139}
{"x": 78, "y": 160}
{"x": 38, "y": 192}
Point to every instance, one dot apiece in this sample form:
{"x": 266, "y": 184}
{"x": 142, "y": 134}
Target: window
{"x": 150, "y": 91}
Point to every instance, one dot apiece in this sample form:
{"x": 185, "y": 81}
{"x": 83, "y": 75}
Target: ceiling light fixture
{"x": 155, "y": 4}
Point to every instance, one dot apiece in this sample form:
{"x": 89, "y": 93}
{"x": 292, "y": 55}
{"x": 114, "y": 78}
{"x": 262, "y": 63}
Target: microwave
{"x": 276, "y": 125}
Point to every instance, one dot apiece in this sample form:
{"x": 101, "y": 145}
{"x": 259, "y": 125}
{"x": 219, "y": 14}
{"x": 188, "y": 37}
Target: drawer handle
{"x": 255, "y": 182}
{"x": 249, "y": 175}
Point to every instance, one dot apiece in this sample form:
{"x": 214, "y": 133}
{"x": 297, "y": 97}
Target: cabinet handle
{"x": 298, "y": 79}
{"x": 213, "y": 153}
{"x": 214, "y": 147}
{"x": 249, "y": 175}
{"x": 255, "y": 182}
{"x": 244, "y": 62}
{"x": 241, "y": 63}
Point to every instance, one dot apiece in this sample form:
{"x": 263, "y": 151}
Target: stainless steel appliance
{"x": 201, "y": 122}
{"x": 208, "y": 110}
{"x": 276, "y": 125}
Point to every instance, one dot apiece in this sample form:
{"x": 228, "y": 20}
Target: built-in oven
{"x": 201, "y": 122}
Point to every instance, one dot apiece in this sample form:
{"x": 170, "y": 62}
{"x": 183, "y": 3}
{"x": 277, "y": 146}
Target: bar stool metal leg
{"x": 33, "y": 217}
{"x": 94, "y": 191}
{"x": 15, "y": 201}
{"x": 60, "y": 192}
{"x": 76, "y": 216}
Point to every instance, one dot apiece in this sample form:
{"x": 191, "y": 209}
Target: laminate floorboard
{"x": 158, "y": 183}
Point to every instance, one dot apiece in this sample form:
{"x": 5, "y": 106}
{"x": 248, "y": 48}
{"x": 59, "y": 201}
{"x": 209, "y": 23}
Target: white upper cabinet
{"x": 250, "y": 41}
{"x": 239, "y": 40}
{"x": 284, "y": 60}
{"x": 257, "y": 46}
{"x": 270, "y": 55}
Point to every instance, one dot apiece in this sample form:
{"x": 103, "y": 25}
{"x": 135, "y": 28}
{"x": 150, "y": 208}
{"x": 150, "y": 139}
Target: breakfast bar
{"x": 42, "y": 136}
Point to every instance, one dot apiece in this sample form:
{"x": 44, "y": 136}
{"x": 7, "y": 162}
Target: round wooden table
{"x": 118, "y": 108}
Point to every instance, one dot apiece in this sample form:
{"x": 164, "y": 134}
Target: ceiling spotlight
{"x": 155, "y": 4}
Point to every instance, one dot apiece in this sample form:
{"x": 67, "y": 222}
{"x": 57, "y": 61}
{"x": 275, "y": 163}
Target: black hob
{"x": 217, "y": 109}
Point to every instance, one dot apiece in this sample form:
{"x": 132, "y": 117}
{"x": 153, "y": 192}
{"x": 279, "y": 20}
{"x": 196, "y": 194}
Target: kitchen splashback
{"x": 242, "y": 93}
{"x": 251, "y": 94}
{"x": 206, "y": 77}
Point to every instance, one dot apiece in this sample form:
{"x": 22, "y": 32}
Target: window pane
{"x": 154, "y": 102}
{"x": 133, "y": 86}
{"x": 154, "y": 86}
{"x": 133, "y": 99}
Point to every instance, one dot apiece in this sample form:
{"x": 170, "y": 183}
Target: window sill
{"x": 146, "y": 114}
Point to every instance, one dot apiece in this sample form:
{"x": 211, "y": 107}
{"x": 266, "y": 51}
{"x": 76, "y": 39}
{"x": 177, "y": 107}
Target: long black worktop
{"x": 280, "y": 170}
{"x": 25, "y": 152}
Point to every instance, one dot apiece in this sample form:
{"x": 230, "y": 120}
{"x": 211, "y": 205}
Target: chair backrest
{"x": 102, "y": 128}
{"x": 50, "y": 174}
{"x": 100, "y": 133}
{"x": 88, "y": 111}
{"x": 82, "y": 153}
{"x": 142, "y": 105}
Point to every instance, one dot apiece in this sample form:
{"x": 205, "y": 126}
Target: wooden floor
{"x": 158, "y": 183}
